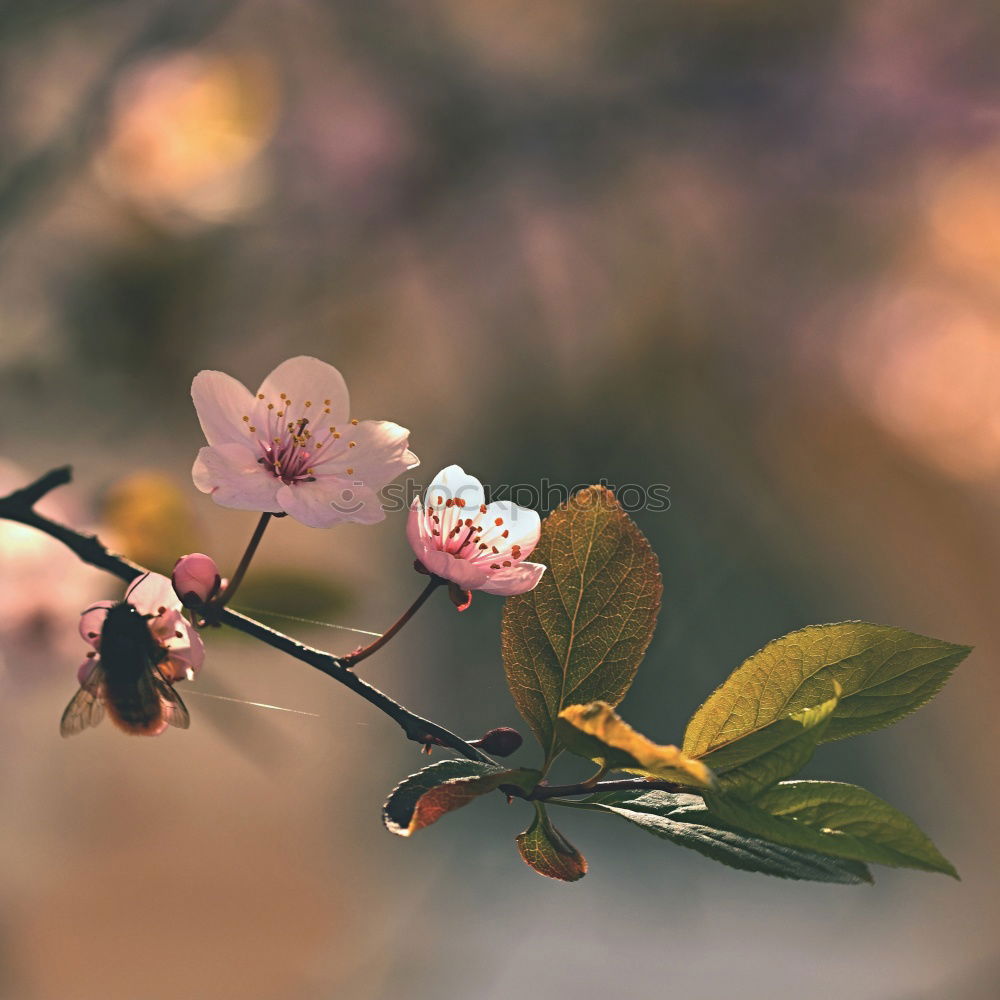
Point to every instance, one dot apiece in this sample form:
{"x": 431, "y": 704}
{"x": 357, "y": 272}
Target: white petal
{"x": 164, "y": 627}
{"x": 231, "y": 473}
{"x": 304, "y": 379}
{"x": 379, "y": 456}
{"x": 330, "y": 500}
{"x": 92, "y": 621}
{"x": 453, "y": 483}
{"x": 222, "y": 403}
{"x": 150, "y": 592}
{"x": 516, "y": 579}
{"x": 522, "y": 524}
{"x": 187, "y": 654}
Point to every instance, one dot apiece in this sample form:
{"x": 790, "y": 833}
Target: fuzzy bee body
{"x": 126, "y": 681}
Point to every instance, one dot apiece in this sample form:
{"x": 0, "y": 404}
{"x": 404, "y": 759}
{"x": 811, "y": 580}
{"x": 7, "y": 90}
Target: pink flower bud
{"x": 196, "y": 579}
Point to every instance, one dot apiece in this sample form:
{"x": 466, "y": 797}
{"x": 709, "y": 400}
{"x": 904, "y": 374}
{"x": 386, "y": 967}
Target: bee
{"x": 126, "y": 681}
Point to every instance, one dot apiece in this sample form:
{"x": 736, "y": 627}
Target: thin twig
{"x": 234, "y": 584}
{"x": 19, "y": 507}
{"x": 365, "y": 651}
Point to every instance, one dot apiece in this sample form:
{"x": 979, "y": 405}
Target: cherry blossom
{"x": 457, "y": 536}
{"x": 151, "y": 594}
{"x": 292, "y": 447}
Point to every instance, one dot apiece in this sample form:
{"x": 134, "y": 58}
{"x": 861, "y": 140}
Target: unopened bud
{"x": 460, "y": 597}
{"x": 500, "y": 742}
{"x": 196, "y": 579}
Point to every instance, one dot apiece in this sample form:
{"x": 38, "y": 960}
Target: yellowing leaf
{"x": 597, "y": 732}
{"x": 580, "y": 635}
{"x": 423, "y": 798}
{"x": 546, "y": 850}
{"x": 884, "y": 673}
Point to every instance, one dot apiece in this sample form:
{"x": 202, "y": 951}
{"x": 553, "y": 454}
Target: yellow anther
{"x": 260, "y": 395}
{"x": 246, "y": 420}
{"x": 354, "y": 423}
{"x": 353, "y": 444}
{"x": 308, "y": 402}
{"x": 253, "y": 429}
{"x": 350, "y": 472}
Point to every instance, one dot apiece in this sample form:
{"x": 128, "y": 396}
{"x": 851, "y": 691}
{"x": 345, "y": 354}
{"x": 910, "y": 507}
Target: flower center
{"x": 289, "y": 449}
{"x": 471, "y": 538}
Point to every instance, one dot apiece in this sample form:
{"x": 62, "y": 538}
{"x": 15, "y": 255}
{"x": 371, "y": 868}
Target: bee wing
{"x": 174, "y": 710}
{"x": 85, "y": 708}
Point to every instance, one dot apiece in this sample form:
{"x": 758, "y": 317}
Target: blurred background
{"x": 748, "y": 250}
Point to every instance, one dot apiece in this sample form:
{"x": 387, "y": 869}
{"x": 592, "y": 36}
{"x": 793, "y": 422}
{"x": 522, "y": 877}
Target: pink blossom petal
{"x": 92, "y": 621}
{"x": 235, "y": 479}
{"x": 516, "y": 579}
{"x": 221, "y": 403}
{"x": 416, "y": 529}
{"x": 164, "y": 627}
{"x": 150, "y": 592}
{"x": 457, "y": 570}
{"x": 380, "y": 453}
{"x": 453, "y": 483}
{"x": 330, "y": 500}
{"x": 305, "y": 379}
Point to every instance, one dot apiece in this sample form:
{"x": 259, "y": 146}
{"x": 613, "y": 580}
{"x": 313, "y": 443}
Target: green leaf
{"x": 748, "y": 766}
{"x": 684, "y": 820}
{"x": 835, "y": 818}
{"x": 884, "y": 673}
{"x": 580, "y": 634}
{"x": 424, "y": 797}
{"x": 597, "y": 732}
{"x": 546, "y": 850}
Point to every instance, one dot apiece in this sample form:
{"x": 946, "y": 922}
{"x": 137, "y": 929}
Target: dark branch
{"x": 416, "y": 728}
{"x": 19, "y": 506}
